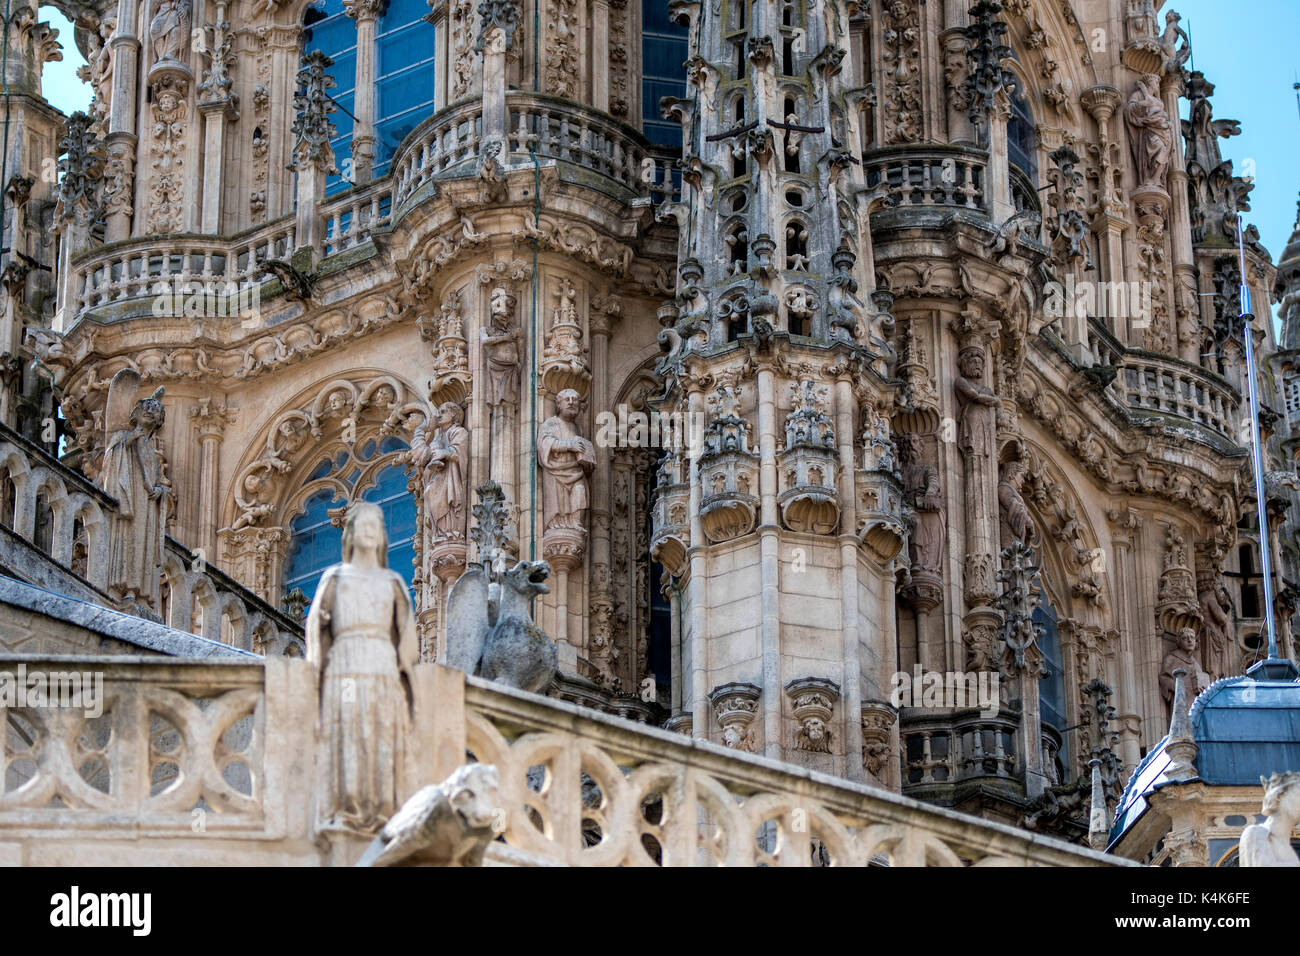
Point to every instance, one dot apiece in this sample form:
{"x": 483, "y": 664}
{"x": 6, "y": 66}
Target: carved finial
{"x": 489, "y": 531}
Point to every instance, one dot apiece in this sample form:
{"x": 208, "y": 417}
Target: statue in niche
{"x": 977, "y": 434}
{"x": 501, "y": 349}
{"x": 169, "y": 29}
{"x": 1016, "y": 524}
{"x": 1151, "y": 138}
{"x": 566, "y": 459}
{"x": 1183, "y": 657}
{"x": 1216, "y": 626}
{"x": 921, "y": 485}
{"x": 1269, "y": 843}
{"x": 133, "y": 473}
{"x": 443, "y": 458}
{"x": 361, "y": 634}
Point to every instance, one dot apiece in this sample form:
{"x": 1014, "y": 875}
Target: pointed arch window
{"x": 367, "y": 471}
{"x": 1020, "y": 136}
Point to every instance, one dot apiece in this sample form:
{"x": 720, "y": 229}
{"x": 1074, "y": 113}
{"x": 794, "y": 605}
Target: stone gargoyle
{"x": 447, "y": 824}
{"x": 490, "y": 632}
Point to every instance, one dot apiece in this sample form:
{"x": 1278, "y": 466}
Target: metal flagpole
{"x": 1257, "y": 447}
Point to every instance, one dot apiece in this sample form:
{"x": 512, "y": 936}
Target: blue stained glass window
{"x": 315, "y": 543}
{"x": 1020, "y": 137}
{"x": 404, "y": 76}
{"x": 1051, "y": 689}
{"x": 663, "y": 73}
{"x": 328, "y": 29}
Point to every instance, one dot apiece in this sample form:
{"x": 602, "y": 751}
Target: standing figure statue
{"x": 361, "y": 634}
{"x": 445, "y": 459}
{"x": 921, "y": 486}
{"x": 1269, "y": 843}
{"x": 977, "y": 435}
{"x": 1015, "y": 521}
{"x": 1151, "y": 138}
{"x": 169, "y": 29}
{"x": 1183, "y": 657}
{"x": 501, "y": 342}
{"x": 566, "y": 459}
{"x": 133, "y": 473}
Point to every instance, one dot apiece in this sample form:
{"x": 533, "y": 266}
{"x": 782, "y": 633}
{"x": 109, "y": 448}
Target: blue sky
{"x": 1247, "y": 49}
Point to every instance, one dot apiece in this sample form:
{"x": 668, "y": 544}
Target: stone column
{"x": 852, "y": 677}
{"x": 441, "y": 64}
{"x": 210, "y": 422}
{"x": 770, "y": 563}
{"x": 365, "y": 12}
{"x": 1109, "y": 221}
{"x": 1124, "y": 523}
{"x": 217, "y": 106}
{"x": 122, "y": 139}
{"x": 600, "y": 64}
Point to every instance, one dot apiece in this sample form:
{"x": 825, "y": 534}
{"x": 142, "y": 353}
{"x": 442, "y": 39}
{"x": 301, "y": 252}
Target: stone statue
{"x": 501, "y": 349}
{"x": 921, "y": 485}
{"x": 444, "y": 459}
{"x": 1151, "y": 138}
{"x": 1269, "y": 843}
{"x": 169, "y": 29}
{"x": 1016, "y": 524}
{"x": 566, "y": 459}
{"x": 977, "y": 434}
{"x": 489, "y": 630}
{"x": 1216, "y": 625}
{"x": 448, "y": 824}
{"x": 1183, "y": 657}
{"x": 1175, "y": 55}
{"x": 361, "y": 634}
{"x": 133, "y": 473}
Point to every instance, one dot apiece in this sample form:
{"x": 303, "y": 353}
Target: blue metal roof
{"x": 1245, "y": 728}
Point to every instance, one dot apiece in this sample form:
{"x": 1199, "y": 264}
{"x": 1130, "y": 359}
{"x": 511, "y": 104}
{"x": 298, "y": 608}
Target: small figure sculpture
{"x": 361, "y": 634}
{"x": 1151, "y": 137}
{"x": 1269, "y": 843}
{"x": 977, "y": 434}
{"x": 169, "y": 29}
{"x": 501, "y": 349}
{"x": 1216, "y": 626}
{"x": 133, "y": 473}
{"x": 921, "y": 485}
{"x": 813, "y": 736}
{"x": 444, "y": 459}
{"x": 1183, "y": 657}
{"x": 1016, "y": 524}
{"x": 566, "y": 459}
{"x": 449, "y": 824}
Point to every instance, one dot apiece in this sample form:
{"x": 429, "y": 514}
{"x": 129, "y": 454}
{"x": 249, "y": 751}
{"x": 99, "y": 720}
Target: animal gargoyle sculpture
{"x": 449, "y": 823}
{"x": 490, "y": 632}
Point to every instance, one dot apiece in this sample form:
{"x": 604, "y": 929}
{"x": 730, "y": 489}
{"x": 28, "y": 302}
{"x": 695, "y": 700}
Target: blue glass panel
{"x": 663, "y": 53}
{"x": 392, "y": 443}
{"x": 390, "y": 493}
{"x": 314, "y": 544}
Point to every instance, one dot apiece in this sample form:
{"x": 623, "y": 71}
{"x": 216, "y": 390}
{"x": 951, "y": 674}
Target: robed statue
{"x": 361, "y": 634}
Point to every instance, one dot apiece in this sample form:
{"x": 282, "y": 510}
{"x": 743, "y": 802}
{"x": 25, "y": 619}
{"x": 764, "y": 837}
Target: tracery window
{"x": 1051, "y": 689}
{"x": 1020, "y": 137}
{"x": 663, "y": 71}
{"x": 366, "y": 471}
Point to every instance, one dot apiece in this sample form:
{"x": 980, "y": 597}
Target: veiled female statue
{"x": 361, "y": 634}
{"x": 132, "y": 472}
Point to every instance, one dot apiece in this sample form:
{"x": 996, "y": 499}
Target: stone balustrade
{"x": 950, "y": 747}
{"x": 1148, "y": 382}
{"x": 930, "y": 176}
{"x": 61, "y": 513}
{"x": 197, "y": 763}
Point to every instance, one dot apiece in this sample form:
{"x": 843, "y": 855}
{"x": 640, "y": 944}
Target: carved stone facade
{"x": 921, "y": 352}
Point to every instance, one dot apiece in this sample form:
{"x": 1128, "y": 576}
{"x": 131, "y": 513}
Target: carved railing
{"x": 443, "y": 141}
{"x": 1162, "y": 384}
{"x": 948, "y": 748}
{"x": 179, "y": 748}
{"x": 588, "y": 790}
{"x": 929, "y": 176}
{"x": 186, "y": 750}
{"x": 63, "y": 514}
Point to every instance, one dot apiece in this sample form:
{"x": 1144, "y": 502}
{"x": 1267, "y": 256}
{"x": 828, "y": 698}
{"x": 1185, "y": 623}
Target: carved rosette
{"x": 812, "y": 701}
{"x": 809, "y": 465}
{"x": 735, "y": 705}
{"x": 878, "y": 719}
